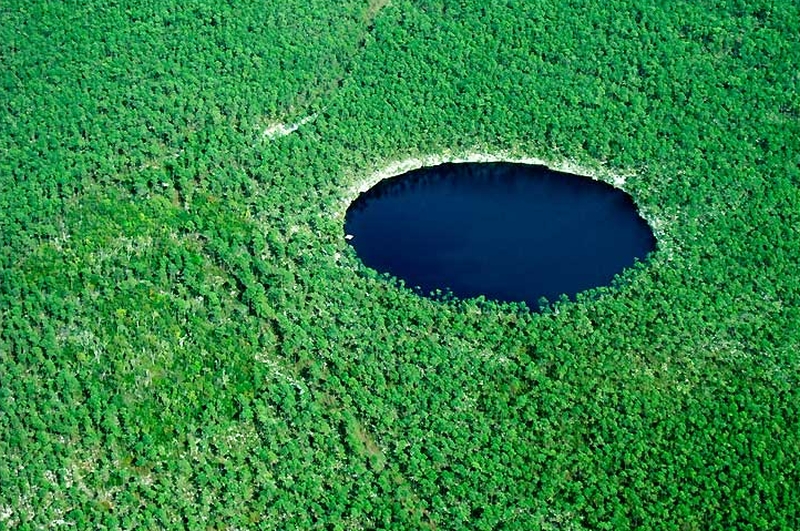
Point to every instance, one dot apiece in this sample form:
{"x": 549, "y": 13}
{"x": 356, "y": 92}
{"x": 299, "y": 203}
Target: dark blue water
{"x": 510, "y": 232}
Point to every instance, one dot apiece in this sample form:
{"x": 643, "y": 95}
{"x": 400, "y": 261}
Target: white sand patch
{"x": 278, "y": 129}
{"x": 375, "y": 6}
{"x": 277, "y": 371}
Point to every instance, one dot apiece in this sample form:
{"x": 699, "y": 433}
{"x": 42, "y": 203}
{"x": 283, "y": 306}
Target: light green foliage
{"x": 186, "y": 341}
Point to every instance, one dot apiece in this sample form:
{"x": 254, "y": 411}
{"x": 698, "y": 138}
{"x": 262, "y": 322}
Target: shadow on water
{"x": 507, "y": 231}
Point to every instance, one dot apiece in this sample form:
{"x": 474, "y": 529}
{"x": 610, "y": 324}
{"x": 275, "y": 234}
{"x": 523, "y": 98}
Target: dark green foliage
{"x": 186, "y": 341}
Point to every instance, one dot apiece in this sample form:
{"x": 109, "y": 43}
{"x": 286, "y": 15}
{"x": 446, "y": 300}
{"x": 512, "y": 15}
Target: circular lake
{"x": 507, "y": 231}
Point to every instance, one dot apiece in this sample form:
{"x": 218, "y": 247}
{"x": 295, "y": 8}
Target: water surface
{"x": 510, "y": 232}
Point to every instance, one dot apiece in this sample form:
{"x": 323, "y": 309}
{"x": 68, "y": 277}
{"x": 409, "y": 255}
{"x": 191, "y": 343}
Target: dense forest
{"x": 188, "y": 342}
